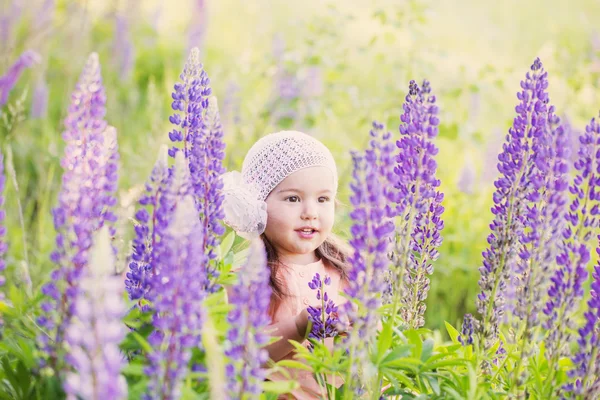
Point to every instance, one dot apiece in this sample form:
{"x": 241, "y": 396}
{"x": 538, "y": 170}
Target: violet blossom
{"x": 85, "y": 201}
{"x": 246, "y": 338}
{"x": 587, "y": 367}
{"x": 95, "y": 329}
{"x": 3, "y": 244}
{"x": 199, "y": 134}
{"x": 123, "y": 47}
{"x": 178, "y": 282}
{"x": 39, "y": 104}
{"x": 138, "y": 278}
{"x": 582, "y": 219}
{"x": 8, "y": 81}
{"x": 324, "y": 319}
{"x": 510, "y": 201}
{"x": 372, "y": 231}
{"x": 543, "y": 225}
{"x": 419, "y": 204}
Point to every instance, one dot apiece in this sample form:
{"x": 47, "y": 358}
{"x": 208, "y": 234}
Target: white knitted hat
{"x": 268, "y": 162}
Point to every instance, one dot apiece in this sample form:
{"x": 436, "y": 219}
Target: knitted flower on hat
{"x": 268, "y": 162}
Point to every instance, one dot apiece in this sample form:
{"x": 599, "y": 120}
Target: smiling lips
{"x": 307, "y": 232}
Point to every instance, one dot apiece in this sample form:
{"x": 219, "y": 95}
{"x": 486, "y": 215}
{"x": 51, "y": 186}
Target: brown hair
{"x": 333, "y": 251}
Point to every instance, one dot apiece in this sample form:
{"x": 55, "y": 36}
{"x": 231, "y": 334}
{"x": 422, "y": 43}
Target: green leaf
{"x": 280, "y": 387}
{"x": 452, "y": 332}
{"x": 226, "y": 244}
{"x": 133, "y": 369}
{"x": 415, "y": 339}
{"x": 427, "y": 349}
{"x": 142, "y": 341}
{"x": 294, "y": 364}
{"x": 385, "y": 340}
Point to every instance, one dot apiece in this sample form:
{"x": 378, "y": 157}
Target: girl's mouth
{"x": 306, "y": 233}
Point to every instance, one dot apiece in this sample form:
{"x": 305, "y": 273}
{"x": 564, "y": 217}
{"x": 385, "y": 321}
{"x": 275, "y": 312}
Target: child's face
{"x": 303, "y": 199}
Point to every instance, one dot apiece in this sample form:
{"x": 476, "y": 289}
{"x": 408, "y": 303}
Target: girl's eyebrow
{"x": 300, "y": 191}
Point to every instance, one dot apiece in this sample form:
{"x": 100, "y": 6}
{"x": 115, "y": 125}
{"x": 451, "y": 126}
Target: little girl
{"x": 285, "y": 194}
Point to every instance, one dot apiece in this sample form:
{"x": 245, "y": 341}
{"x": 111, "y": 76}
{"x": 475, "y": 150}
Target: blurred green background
{"x": 325, "y": 67}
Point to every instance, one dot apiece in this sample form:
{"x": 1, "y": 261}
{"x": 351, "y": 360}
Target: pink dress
{"x": 297, "y": 277}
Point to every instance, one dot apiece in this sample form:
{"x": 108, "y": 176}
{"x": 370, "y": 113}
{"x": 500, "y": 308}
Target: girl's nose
{"x": 309, "y": 211}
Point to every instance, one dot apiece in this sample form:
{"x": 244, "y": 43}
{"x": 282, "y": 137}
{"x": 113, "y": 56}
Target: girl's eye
{"x": 292, "y": 199}
{"x": 323, "y": 199}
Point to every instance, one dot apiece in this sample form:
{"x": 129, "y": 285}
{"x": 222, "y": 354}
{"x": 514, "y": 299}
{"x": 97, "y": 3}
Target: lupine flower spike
{"x": 138, "y": 279}
{"x": 547, "y": 181}
{"x": 199, "y": 134}
{"x": 95, "y": 330}
{"x": 324, "y": 319}
{"x": 372, "y": 231}
{"x": 3, "y": 244}
{"x": 178, "y": 282}
{"x": 420, "y": 201}
{"x": 85, "y": 201}
{"x": 249, "y": 317}
{"x": 510, "y": 202}
{"x": 582, "y": 220}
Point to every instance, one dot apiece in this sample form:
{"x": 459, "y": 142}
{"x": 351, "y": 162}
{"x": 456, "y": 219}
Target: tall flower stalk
{"x": 418, "y": 233}
{"x": 246, "y": 338}
{"x": 95, "y": 331}
{"x": 3, "y": 244}
{"x": 372, "y": 231}
{"x": 510, "y": 202}
{"x": 198, "y": 133}
{"x": 11, "y": 77}
{"x": 139, "y": 278}
{"x": 587, "y": 366}
{"x": 178, "y": 282}
{"x": 85, "y": 203}
{"x": 543, "y": 227}
{"x": 582, "y": 219}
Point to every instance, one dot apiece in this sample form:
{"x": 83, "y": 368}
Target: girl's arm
{"x": 289, "y": 329}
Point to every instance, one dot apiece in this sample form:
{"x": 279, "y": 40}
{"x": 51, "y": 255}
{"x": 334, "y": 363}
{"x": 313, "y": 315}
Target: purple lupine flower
{"x": 467, "y": 330}
{"x": 138, "y": 279}
{"x": 178, "y": 282}
{"x": 10, "y": 78}
{"x": 582, "y": 220}
{"x": 510, "y": 200}
{"x": 324, "y": 319}
{"x": 123, "y": 48}
{"x": 84, "y": 203}
{"x": 248, "y": 318}
{"x": 8, "y": 19}
{"x": 587, "y": 368}
{"x": 190, "y": 98}
{"x": 543, "y": 220}
{"x": 372, "y": 231}
{"x": 419, "y": 199}
{"x": 206, "y": 168}
{"x": 200, "y": 130}
{"x": 198, "y": 25}
{"x": 39, "y": 104}
{"x": 95, "y": 330}
{"x": 3, "y": 244}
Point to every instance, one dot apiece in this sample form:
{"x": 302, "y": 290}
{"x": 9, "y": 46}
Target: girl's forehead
{"x": 309, "y": 179}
